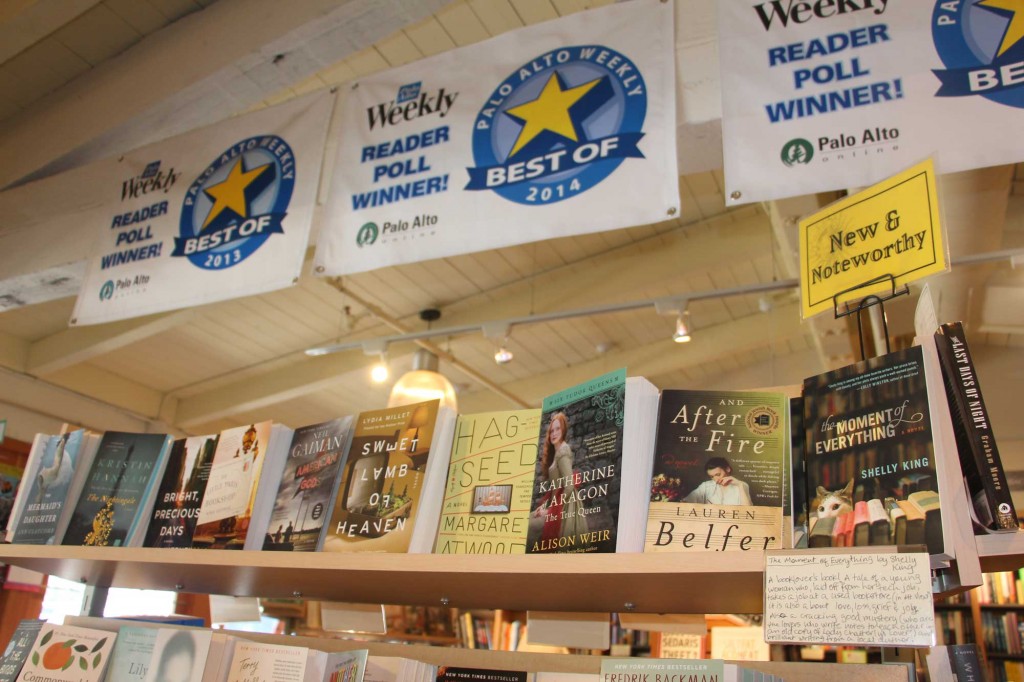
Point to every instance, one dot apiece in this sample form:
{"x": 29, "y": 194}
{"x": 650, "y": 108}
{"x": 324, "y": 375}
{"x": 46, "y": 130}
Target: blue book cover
{"x": 18, "y": 647}
{"x": 124, "y": 473}
{"x": 49, "y": 489}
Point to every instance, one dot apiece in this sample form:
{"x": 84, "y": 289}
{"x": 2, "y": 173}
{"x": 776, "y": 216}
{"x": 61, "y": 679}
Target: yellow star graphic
{"x": 1015, "y": 30}
{"x": 230, "y": 194}
{"x": 550, "y": 111}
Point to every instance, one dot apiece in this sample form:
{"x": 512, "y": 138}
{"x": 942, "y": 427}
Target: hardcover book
{"x": 976, "y": 444}
{"x": 47, "y": 498}
{"x": 307, "y": 488}
{"x": 255, "y": 662}
{"x": 68, "y": 654}
{"x": 132, "y": 653}
{"x": 18, "y": 648}
{"x": 719, "y": 472}
{"x": 231, "y": 489}
{"x": 117, "y": 499}
{"x": 179, "y": 655}
{"x": 486, "y": 506}
{"x": 869, "y": 438}
{"x": 181, "y": 491}
{"x": 394, "y": 456}
{"x": 578, "y": 474}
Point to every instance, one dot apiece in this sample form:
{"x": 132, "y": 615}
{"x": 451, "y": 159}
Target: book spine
{"x": 861, "y": 525}
{"x": 979, "y": 455}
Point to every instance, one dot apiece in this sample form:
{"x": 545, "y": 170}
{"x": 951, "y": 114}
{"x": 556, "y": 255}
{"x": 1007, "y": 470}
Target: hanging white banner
{"x": 833, "y": 94}
{"x": 562, "y": 128}
{"x": 216, "y": 213}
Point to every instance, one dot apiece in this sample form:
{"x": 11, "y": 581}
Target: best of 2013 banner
{"x": 565, "y": 127}
{"x": 217, "y": 213}
{"x": 828, "y": 94}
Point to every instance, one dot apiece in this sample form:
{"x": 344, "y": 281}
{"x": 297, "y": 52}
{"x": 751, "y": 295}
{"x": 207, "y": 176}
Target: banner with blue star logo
{"x": 828, "y": 95}
{"x": 560, "y": 128}
{"x": 217, "y": 213}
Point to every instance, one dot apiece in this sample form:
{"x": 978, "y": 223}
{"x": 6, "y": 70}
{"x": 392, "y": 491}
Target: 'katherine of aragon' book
{"x": 718, "y": 472}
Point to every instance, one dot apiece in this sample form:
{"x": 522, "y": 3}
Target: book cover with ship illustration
{"x": 870, "y": 460}
{"x": 719, "y": 472}
{"x": 310, "y": 480}
{"x": 181, "y": 491}
{"x": 380, "y": 490}
{"x": 575, "y": 502}
{"x": 486, "y": 507}
{"x": 224, "y": 516}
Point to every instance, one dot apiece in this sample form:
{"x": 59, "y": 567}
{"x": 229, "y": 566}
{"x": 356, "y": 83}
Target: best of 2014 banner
{"x": 561, "y": 128}
{"x": 216, "y": 213}
{"x": 830, "y": 94}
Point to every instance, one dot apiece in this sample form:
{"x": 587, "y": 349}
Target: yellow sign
{"x": 891, "y": 228}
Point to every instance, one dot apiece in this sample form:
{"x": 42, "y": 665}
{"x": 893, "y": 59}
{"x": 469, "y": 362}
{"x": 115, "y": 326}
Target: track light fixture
{"x": 682, "y": 333}
{"x": 503, "y": 355}
{"x": 499, "y": 332}
{"x": 379, "y": 372}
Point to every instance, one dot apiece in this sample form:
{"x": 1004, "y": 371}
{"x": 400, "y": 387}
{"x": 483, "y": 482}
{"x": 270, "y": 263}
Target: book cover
{"x": 111, "y": 504}
{"x": 719, "y": 471}
{"x": 345, "y": 666}
{"x": 12, "y": 470}
{"x": 486, "y": 508}
{"x": 18, "y": 648}
{"x": 451, "y": 673}
{"x": 796, "y": 489}
{"x": 231, "y": 489}
{"x": 379, "y": 494}
{"x": 68, "y": 654}
{"x": 821, "y": 532}
{"x": 976, "y": 444}
{"x": 255, "y": 662}
{"x": 179, "y": 655}
{"x": 308, "y": 485}
{"x": 48, "y": 492}
{"x": 181, "y": 491}
{"x": 661, "y": 669}
{"x": 869, "y": 435}
{"x": 132, "y": 653}
{"x": 578, "y": 474}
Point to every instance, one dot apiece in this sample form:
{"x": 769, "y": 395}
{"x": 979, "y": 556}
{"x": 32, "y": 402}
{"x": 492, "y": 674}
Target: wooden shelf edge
{"x": 646, "y": 583}
{"x": 1000, "y": 551}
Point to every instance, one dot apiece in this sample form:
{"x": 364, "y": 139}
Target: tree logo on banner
{"x": 559, "y": 125}
{"x": 797, "y": 151}
{"x": 367, "y": 234}
{"x": 234, "y": 205}
{"x": 982, "y": 45}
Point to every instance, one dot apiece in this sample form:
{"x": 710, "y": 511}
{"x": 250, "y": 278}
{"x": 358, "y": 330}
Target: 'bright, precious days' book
{"x": 486, "y": 505}
{"x": 181, "y": 492}
{"x": 68, "y": 654}
{"x": 397, "y": 461}
{"x": 869, "y": 437}
{"x": 117, "y": 499}
{"x": 719, "y": 472}
{"x": 575, "y": 503}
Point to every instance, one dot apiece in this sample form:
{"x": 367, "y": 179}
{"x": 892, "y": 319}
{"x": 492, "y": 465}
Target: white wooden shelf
{"x": 646, "y": 583}
{"x": 1001, "y": 551}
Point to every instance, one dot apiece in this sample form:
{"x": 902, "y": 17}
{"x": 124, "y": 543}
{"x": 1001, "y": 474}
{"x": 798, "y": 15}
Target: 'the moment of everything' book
{"x": 869, "y": 438}
{"x": 117, "y": 499}
{"x": 68, "y": 654}
{"x": 307, "y": 488}
{"x": 231, "y": 490}
{"x": 397, "y": 462}
{"x": 181, "y": 491}
{"x": 18, "y": 648}
{"x": 575, "y": 503}
{"x": 719, "y": 472}
{"x": 57, "y": 479}
{"x": 486, "y": 505}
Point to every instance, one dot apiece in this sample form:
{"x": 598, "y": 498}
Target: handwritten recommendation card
{"x": 880, "y": 599}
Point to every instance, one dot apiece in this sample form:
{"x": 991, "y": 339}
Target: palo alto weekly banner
{"x": 825, "y": 95}
{"x": 565, "y": 127}
{"x": 216, "y": 213}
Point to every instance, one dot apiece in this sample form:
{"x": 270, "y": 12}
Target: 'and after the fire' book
{"x": 719, "y": 472}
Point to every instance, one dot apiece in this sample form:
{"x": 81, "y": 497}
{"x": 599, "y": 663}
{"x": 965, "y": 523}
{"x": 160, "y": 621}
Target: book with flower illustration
{"x": 68, "y": 654}
{"x": 392, "y": 484}
{"x": 116, "y": 502}
{"x": 486, "y": 505}
{"x": 719, "y": 472}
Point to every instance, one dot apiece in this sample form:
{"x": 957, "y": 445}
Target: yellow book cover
{"x": 377, "y": 501}
{"x": 486, "y": 506}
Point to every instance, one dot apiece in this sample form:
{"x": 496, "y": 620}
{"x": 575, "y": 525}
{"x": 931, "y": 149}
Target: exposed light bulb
{"x": 503, "y": 356}
{"x": 379, "y": 373}
{"x": 682, "y": 333}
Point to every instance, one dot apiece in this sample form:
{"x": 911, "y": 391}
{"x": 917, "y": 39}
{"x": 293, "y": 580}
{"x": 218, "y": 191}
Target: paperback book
{"x": 979, "y": 456}
{"x": 39, "y": 443}
{"x": 308, "y": 486}
{"x": 486, "y": 506}
{"x": 398, "y": 460}
{"x": 255, "y": 662}
{"x": 46, "y": 510}
{"x": 577, "y": 477}
{"x": 869, "y": 445}
{"x": 18, "y": 648}
{"x": 68, "y": 654}
{"x": 181, "y": 491}
{"x": 227, "y": 505}
{"x": 450, "y": 673}
{"x": 719, "y": 472}
{"x": 117, "y": 499}
{"x": 178, "y": 655}
{"x": 133, "y": 651}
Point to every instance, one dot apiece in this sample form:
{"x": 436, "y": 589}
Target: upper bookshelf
{"x": 651, "y": 583}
